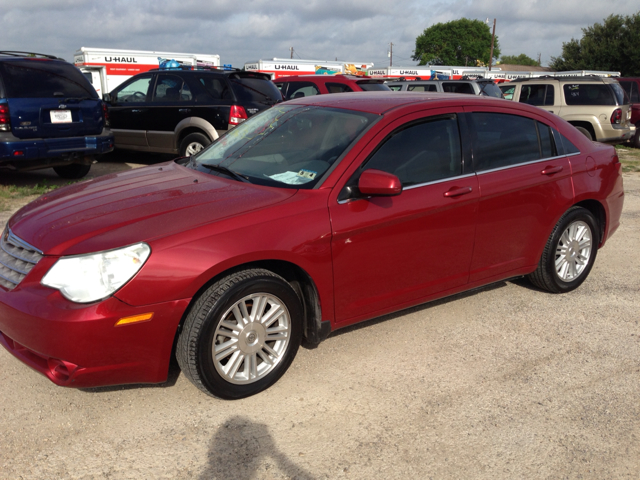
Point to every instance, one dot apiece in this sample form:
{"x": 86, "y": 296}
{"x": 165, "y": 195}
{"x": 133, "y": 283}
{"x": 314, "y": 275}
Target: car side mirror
{"x": 377, "y": 183}
{"x": 106, "y": 97}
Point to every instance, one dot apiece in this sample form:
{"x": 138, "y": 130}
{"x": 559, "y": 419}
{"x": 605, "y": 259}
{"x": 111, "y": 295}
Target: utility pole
{"x": 390, "y": 54}
{"x": 493, "y": 36}
{"x": 291, "y": 49}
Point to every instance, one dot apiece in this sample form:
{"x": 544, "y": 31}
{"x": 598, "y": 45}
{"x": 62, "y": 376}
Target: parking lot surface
{"x": 503, "y": 382}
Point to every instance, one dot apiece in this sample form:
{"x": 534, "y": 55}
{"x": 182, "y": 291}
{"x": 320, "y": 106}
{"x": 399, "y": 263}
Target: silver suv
{"x": 471, "y": 87}
{"x": 596, "y": 106}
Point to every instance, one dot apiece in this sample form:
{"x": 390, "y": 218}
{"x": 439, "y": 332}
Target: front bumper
{"x": 79, "y": 345}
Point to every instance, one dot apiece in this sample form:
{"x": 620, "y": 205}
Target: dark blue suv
{"x": 50, "y": 116}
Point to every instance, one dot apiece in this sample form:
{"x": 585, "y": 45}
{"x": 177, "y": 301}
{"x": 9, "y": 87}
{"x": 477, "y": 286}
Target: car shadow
{"x": 243, "y": 449}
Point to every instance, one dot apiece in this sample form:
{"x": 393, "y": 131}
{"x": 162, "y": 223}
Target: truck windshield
{"x": 287, "y": 146}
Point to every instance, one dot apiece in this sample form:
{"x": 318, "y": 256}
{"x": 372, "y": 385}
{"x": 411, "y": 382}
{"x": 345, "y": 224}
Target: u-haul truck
{"x": 283, "y": 67}
{"x": 433, "y": 72}
{"x": 107, "y": 68}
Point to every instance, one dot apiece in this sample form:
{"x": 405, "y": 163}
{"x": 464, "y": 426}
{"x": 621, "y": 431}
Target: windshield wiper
{"x": 226, "y": 171}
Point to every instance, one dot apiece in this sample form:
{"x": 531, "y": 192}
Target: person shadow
{"x": 242, "y": 449}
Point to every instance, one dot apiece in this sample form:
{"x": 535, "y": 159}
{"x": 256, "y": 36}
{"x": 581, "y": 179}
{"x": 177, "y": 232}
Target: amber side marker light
{"x": 145, "y": 317}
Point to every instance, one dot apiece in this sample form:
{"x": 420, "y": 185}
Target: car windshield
{"x": 255, "y": 89}
{"x": 288, "y": 146}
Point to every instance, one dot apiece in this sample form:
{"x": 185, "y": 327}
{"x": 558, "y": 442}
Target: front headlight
{"x": 87, "y": 278}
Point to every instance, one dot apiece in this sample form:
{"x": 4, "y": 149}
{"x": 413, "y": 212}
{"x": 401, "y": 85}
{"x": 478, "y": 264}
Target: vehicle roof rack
{"x": 198, "y": 67}
{"x": 11, "y": 53}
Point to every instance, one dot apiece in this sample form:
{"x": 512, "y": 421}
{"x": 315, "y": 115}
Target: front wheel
{"x": 193, "y": 143}
{"x": 569, "y": 253}
{"x": 241, "y": 334}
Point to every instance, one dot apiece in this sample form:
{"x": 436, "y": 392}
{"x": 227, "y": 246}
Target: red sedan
{"x": 311, "y": 216}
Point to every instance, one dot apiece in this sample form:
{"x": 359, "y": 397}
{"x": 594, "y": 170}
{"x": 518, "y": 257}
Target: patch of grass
{"x": 12, "y": 192}
{"x": 629, "y": 158}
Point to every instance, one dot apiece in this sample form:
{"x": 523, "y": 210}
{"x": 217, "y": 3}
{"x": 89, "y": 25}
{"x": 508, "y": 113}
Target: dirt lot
{"x": 505, "y": 382}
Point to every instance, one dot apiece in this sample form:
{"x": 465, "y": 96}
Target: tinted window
{"x": 631, "y": 88}
{"x": 135, "y": 91}
{"x": 44, "y": 78}
{"x": 422, "y": 88}
{"x": 255, "y": 89}
{"x": 490, "y": 90}
{"x": 170, "y": 88}
{"x": 546, "y": 140}
{"x": 421, "y": 153}
{"x": 338, "y": 88}
{"x": 564, "y": 144}
{"x": 458, "y": 87}
{"x": 373, "y": 86}
{"x": 395, "y": 88}
{"x": 537, "y": 94}
{"x": 588, "y": 94}
{"x": 301, "y": 89}
{"x": 216, "y": 87}
{"x": 503, "y": 140}
{"x": 621, "y": 97}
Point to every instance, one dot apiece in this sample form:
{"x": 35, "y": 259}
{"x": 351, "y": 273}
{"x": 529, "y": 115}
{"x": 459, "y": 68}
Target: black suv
{"x": 50, "y": 116}
{"x": 183, "y": 110}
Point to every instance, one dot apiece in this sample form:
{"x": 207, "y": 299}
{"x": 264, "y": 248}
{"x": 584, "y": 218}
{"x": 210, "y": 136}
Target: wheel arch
{"x": 597, "y": 210}
{"x": 314, "y": 330}
{"x": 586, "y": 125}
{"x": 194, "y": 125}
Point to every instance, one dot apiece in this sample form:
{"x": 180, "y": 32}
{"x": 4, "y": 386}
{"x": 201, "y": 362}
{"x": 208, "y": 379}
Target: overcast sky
{"x": 242, "y": 31}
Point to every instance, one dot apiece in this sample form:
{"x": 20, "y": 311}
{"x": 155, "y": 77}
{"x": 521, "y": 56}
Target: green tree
{"x": 459, "y": 42}
{"x": 521, "y": 59}
{"x": 610, "y": 46}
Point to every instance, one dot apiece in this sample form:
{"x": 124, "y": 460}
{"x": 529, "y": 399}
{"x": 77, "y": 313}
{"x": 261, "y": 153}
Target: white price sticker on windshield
{"x": 60, "y": 116}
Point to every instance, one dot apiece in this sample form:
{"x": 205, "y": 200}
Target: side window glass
{"x": 216, "y": 88}
{"x": 168, "y": 89}
{"x": 507, "y": 92}
{"x": 460, "y": 87}
{"x": 549, "y": 98}
{"x": 301, "y": 89}
{"x": 338, "y": 88}
{"x": 546, "y": 140}
{"x": 533, "y": 94}
{"x": 422, "y": 88}
{"x": 565, "y": 147}
{"x": 136, "y": 91}
{"x": 421, "y": 153}
{"x": 588, "y": 94}
{"x": 503, "y": 140}
{"x": 395, "y": 88}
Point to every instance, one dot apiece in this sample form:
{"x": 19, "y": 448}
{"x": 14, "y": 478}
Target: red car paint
{"x": 363, "y": 257}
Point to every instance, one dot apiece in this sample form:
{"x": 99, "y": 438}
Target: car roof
{"x": 339, "y": 77}
{"x": 384, "y": 101}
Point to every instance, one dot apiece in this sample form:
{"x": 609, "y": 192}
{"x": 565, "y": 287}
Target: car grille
{"x": 17, "y": 258}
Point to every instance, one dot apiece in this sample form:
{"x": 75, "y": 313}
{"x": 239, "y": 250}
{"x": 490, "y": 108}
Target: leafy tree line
{"x": 613, "y": 45}
{"x": 521, "y": 59}
{"x": 459, "y": 42}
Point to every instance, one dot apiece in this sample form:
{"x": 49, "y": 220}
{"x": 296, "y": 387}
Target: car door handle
{"x": 457, "y": 191}
{"x": 551, "y": 170}
{"x": 184, "y": 110}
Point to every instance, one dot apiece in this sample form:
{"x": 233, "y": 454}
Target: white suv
{"x": 596, "y": 106}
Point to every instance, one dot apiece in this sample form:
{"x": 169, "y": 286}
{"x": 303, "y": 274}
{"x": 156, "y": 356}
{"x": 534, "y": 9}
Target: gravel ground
{"x": 503, "y": 382}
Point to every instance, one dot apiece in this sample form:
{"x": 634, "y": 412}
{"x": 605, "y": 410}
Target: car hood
{"x": 138, "y": 205}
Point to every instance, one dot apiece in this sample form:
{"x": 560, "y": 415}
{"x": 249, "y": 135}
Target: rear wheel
{"x": 241, "y": 334}
{"x": 72, "y": 171}
{"x": 635, "y": 140}
{"x": 569, "y": 253}
{"x": 193, "y": 143}
{"x": 585, "y": 132}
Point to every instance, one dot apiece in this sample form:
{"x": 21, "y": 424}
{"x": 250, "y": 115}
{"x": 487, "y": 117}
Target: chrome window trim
{"x": 546, "y": 159}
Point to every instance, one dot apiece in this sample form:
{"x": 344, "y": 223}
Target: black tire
{"x": 635, "y": 140}
{"x": 72, "y": 171}
{"x": 585, "y": 132}
{"x": 547, "y": 275}
{"x": 203, "y": 331}
{"x": 193, "y": 143}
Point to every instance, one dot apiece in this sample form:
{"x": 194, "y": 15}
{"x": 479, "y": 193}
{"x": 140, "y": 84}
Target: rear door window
{"x": 171, "y": 88}
{"x": 422, "y": 88}
{"x": 338, "y": 88}
{"x": 537, "y": 94}
{"x": 44, "y": 79}
{"x": 216, "y": 87}
{"x": 301, "y": 89}
{"x": 458, "y": 87}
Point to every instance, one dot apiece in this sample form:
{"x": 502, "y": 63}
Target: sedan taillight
{"x": 237, "y": 115}
{"x": 616, "y": 117}
{"x": 105, "y": 114}
{"x": 5, "y": 118}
